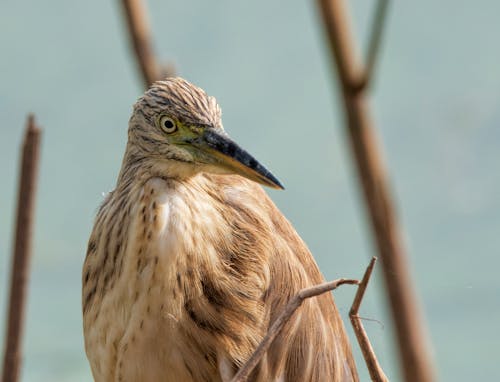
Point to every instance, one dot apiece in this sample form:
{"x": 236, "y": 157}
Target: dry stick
{"x": 410, "y": 334}
{"x": 375, "y": 41}
{"x": 376, "y": 372}
{"x": 282, "y": 319}
{"x": 138, "y": 28}
{"x": 22, "y": 252}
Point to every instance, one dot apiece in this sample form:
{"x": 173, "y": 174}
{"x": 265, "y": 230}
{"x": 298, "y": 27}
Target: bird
{"x": 189, "y": 261}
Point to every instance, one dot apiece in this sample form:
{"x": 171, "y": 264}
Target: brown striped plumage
{"x": 188, "y": 264}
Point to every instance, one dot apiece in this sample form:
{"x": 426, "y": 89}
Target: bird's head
{"x": 178, "y": 127}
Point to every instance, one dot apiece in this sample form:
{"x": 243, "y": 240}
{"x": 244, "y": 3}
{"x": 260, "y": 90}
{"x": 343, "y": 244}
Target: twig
{"x": 138, "y": 27}
{"x": 22, "y": 251}
{"x": 375, "y": 40}
{"x": 410, "y": 333}
{"x": 282, "y": 319}
{"x": 376, "y": 372}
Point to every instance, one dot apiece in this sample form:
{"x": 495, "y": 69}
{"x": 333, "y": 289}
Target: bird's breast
{"x": 155, "y": 260}
{"x": 139, "y": 329}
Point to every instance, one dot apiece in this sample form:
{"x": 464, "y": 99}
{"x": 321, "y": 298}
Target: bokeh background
{"x": 436, "y": 106}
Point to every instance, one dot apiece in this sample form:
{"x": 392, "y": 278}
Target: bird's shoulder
{"x": 254, "y": 213}
{"x": 267, "y": 242}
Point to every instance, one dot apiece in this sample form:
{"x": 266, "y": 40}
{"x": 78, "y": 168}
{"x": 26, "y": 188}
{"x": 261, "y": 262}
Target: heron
{"x": 189, "y": 261}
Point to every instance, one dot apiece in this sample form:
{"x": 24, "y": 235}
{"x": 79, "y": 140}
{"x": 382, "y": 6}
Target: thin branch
{"x": 376, "y": 372}
{"x": 138, "y": 28}
{"x": 362, "y": 287}
{"x": 282, "y": 319}
{"x": 22, "y": 251}
{"x": 375, "y": 41}
{"x": 410, "y": 333}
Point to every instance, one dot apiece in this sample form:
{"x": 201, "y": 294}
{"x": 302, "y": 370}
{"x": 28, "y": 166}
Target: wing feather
{"x": 314, "y": 345}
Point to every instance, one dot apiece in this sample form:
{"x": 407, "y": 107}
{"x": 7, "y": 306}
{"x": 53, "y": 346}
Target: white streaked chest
{"x": 135, "y": 334}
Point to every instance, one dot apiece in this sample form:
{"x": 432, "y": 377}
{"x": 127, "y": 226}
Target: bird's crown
{"x": 182, "y": 100}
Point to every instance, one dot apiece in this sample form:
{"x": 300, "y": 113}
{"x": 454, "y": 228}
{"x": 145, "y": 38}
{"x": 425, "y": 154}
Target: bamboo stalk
{"x": 375, "y": 40}
{"x": 138, "y": 28}
{"x": 410, "y": 333}
{"x": 22, "y": 252}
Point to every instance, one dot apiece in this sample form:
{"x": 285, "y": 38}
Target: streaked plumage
{"x": 188, "y": 264}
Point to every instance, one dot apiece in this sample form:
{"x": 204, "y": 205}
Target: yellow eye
{"x": 168, "y": 124}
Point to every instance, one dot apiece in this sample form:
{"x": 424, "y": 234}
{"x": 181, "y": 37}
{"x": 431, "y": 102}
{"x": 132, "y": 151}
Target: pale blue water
{"x": 436, "y": 105}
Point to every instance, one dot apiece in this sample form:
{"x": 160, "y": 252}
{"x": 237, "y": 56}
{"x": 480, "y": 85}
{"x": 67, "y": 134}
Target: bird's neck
{"x": 138, "y": 167}
{"x": 134, "y": 168}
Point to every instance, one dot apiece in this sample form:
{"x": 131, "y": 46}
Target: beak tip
{"x": 271, "y": 181}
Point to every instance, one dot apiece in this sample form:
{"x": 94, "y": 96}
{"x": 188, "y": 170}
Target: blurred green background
{"x": 436, "y": 106}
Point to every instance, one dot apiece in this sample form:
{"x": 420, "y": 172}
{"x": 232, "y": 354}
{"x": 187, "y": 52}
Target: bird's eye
{"x": 168, "y": 124}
